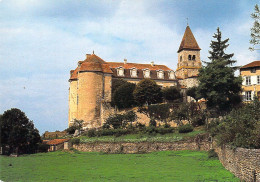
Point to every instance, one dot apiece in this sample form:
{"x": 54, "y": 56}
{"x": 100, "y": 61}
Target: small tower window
{"x": 193, "y": 57}
{"x": 189, "y": 57}
{"x": 180, "y": 58}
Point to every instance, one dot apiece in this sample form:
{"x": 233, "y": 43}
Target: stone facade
{"x": 91, "y": 82}
{"x": 243, "y": 163}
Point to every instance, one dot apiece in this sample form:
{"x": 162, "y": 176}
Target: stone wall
{"x": 244, "y": 163}
{"x": 142, "y": 147}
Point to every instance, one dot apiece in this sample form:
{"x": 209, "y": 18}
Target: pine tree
{"x": 218, "y": 84}
{"x": 218, "y": 47}
{"x": 255, "y": 30}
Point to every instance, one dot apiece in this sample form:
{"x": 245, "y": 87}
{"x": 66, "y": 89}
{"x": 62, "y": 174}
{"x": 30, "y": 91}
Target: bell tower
{"x": 188, "y": 56}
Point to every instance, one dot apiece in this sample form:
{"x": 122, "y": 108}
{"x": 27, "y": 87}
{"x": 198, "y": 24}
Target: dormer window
{"x": 171, "y": 75}
{"x": 189, "y": 57}
{"x": 120, "y": 71}
{"x": 133, "y": 72}
{"x": 193, "y": 57}
{"x": 146, "y": 73}
{"x": 160, "y": 74}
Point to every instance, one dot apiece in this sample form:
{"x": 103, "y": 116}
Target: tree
{"x": 123, "y": 96}
{"x": 194, "y": 93}
{"x": 160, "y": 112}
{"x": 255, "y": 30}
{"x": 18, "y": 133}
{"x": 147, "y": 92}
{"x": 217, "y": 82}
{"x": 78, "y": 124}
{"x": 218, "y": 47}
{"x": 171, "y": 93}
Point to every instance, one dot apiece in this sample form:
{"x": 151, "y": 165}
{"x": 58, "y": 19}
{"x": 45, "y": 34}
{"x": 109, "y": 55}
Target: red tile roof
{"x": 251, "y": 65}
{"x": 95, "y": 63}
{"x": 188, "y": 41}
{"x": 57, "y": 141}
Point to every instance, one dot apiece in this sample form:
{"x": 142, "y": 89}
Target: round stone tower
{"x": 92, "y": 76}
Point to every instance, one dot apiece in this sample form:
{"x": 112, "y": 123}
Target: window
{"x": 193, "y": 57}
{"x": 248, "y": 96}
{"x": 133, "y": 72}
{"x": 171, "y": 75}
{"x": 120, "y": 71}
{"x": 77, "y": 99}
{"x": 253, "y": 70}
{"x": 248, "y": 80}
{"x": 160, "y": 74}
{"x": 146, "y": 73}
{"x": 180, "y": 58}
{"x": 189, "y": 57}
{"x": 258, "y": 79}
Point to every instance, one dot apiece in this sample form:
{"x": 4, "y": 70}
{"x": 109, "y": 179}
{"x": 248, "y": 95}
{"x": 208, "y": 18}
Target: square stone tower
{"x": 188, "y": 57}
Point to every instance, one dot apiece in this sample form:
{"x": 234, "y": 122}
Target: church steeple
{"x": 188, "y": 56}
{"x": 188, "y": 41}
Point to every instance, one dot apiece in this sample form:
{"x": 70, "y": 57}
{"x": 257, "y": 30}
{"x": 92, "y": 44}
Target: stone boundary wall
{"x": 142, "y": 147}
{"x": 243, "y": 163}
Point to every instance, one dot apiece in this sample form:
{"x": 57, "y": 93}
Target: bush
{"x": 185, "y": 128}
{"x": 171, "y": 93}
{"x": 212, "y": 154}
{"x": 120, "y": 120}
{"x": 91, "y": 133}
{"x": 75, "y": 141}
{"x": 71, "y": 130}
{"x": 152, "y": 122}
{"x": 164, "y": 130}
{"x": 43, "y": 147}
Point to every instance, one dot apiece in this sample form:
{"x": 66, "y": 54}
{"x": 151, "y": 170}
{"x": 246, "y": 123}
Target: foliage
{"x": 152, "y": 122}
{"x": 185, "y": 128}
{"x": 147, "y": 92}
{"x": 212, "y": 154}
{"x": 123, "y": 96}
{"x": 217, "y": 82}
{"x": 18, "y": 133}
{"x": 120, "y": 120}
{"x": 241, "y": 128}
{"x": 194, "y": 93}
{"x": 78, "y": 124}
{"x": 171, "y": 93}
{"x": 160, "y": 112}
{"x": 255, "y": 30}
{"x": 91, "y": 133}
{"x": 71, "y": 129}
{"x": 43, "y": 147}
{"x": 75, "y": 141}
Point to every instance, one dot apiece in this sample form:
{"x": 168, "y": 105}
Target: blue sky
{"x": 42, "y": 40}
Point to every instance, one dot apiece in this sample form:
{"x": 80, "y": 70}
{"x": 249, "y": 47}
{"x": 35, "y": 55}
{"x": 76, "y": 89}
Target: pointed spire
{"x": 188, "y": 41}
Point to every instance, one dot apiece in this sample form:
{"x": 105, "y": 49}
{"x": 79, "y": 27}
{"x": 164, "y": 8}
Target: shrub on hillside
{"x": 171, "y": 94}
{"x": 163, "y": 131}
{"x": 185, "y": 128}
{"x": 75, "y": 141}
{"x": 152, "y": 122}
{"x": 91, "y": 133}
{"x": 212, "y": 154}
{"x": 43, "y": 147}
{"x": 120, "y": 120}
{"x": 241, "y": 128}
{"x": 71, "y": 129}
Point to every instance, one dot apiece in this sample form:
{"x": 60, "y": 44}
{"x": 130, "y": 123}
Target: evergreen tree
{"x": 218, "y": 47}
{"x": 255, "y": 30}
{"x": 218, "y": 84}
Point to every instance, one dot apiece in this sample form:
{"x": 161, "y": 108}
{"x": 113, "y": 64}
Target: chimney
{"x": 125, "y": 61}
{"x": 152, "y": 63}
{"x": 88, "y": 55}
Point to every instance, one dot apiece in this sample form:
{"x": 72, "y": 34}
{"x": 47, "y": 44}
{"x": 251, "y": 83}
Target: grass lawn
{"x": 82, "y": 166}
{"x": 169, "y": 137}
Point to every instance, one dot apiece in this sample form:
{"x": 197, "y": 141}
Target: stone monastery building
{"x": 91, "y": 82}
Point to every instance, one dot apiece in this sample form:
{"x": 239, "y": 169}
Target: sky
{"x": 42, "y": 40}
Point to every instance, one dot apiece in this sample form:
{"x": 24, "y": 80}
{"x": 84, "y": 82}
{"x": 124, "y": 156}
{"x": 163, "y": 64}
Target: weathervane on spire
{"x": 187, "y": 21}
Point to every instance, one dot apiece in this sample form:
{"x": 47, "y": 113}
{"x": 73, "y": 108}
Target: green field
{"x": 140, "y": 137}
{"x": 83, "y": 166}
